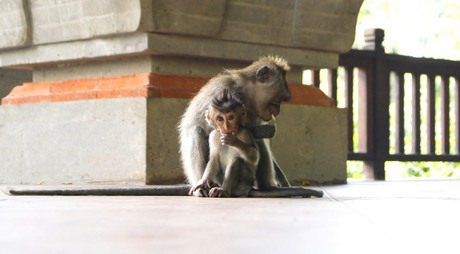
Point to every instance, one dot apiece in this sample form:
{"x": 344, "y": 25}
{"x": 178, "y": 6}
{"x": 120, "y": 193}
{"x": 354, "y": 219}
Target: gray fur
{"x": 257, "y": 89}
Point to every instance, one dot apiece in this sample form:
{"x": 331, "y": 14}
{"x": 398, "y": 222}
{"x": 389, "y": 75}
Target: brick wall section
{"x": 138, "y": 85}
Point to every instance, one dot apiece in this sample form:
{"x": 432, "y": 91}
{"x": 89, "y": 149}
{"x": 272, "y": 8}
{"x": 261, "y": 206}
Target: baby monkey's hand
{"x": 229, "y": 139}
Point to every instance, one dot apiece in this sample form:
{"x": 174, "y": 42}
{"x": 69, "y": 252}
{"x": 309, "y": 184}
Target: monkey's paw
{"x": 198, "y": 190}
{"x": 217, "y": 192}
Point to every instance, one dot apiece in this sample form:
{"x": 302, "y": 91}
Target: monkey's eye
{"x": 220, "y": 119}
{"x": 231, "y": 117}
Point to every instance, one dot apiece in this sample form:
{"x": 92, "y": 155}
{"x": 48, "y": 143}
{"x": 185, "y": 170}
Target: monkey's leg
{"x": 195, "y": 153}
{"x": 280, "y": 176}
{"x": 269, "y": 174}
{"x": 238, "y": 180}
{"x": 245, "y": 175}
{"x": 265, "y": 172}
{"x": 229, "y": 180}
{"x": 286, "y": 192}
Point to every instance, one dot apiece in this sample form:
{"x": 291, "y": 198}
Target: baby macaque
{"x": 233, "y": 152}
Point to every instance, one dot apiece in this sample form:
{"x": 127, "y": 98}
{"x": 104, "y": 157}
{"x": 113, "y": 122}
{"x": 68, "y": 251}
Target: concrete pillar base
{"x": 123, "y": 128}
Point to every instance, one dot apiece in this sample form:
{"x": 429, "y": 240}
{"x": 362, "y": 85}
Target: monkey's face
{"x": 226, "y": 123}
{"x": 270, "y": 92}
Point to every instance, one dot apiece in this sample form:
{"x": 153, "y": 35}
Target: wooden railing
{"x": 386, "y": 95}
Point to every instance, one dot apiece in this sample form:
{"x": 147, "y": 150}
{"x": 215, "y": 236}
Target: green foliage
{"x": 396, "y": 170}
{"x": 425, "y": 28}
{"x": 355, "y": 169}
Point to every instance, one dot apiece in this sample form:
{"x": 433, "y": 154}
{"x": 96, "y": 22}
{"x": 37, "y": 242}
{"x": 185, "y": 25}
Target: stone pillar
{"x": 111, "y": 78}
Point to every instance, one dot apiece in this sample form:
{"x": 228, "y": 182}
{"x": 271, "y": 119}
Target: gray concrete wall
{"x": 47, "y": 21}
{"x": 163, "y": 160}
{"x": 135, "y": 139}
{"x": 72, "y": 142}
{"x": 47, "y": 31}
{"x": 144, "y": 64}
{"x": 311, "y": 144}
{"x": 328, "y": 25}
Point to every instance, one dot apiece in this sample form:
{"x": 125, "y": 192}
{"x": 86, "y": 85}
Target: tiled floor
{"x": 361, "y": 217}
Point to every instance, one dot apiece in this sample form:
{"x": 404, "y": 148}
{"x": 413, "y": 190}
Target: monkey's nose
{"x": 286, "y": 98}
{"x": 226, "y": 126}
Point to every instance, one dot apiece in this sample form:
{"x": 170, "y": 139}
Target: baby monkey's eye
{"x": 231, "y": 117}
{"x": 220, "y": 119}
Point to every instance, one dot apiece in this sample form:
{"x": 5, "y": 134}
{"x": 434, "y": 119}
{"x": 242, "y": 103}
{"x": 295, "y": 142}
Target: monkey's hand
{"x": 229, "y": 139}
{"x": 263, "y": 131}
{"x": 217, "y": 192}
{"x": 196, "y": 188}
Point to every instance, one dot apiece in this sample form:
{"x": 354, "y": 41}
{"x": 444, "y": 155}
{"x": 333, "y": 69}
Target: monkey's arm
{"x": 213, "y": 165}
{"x": 263, "y": 131}
{"x": 244, "y": 144}
{"x": 211, "y": 170}
{"x": 209, "y": 173}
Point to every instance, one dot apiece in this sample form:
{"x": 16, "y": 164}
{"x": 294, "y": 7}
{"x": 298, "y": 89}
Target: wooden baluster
{"x": 431, "y": 141}
{"x": 445, "y": 121}
{"x": 332, "y": 76}
{"x": 457, "y": 114}
{"x": 364, "y": 119}
{"x": 416, "y": 113}
{"x": 349, "y": 105}
{"x": 399, "y": 103}
{"x": 315, "y": 78}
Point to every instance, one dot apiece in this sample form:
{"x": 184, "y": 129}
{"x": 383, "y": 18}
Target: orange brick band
{"x": 137, "y": 85}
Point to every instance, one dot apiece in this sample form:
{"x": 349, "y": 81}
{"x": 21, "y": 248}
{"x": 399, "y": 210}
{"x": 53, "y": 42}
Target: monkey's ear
{"x": 208, "y": 118}
{"x": 263, "y": 74}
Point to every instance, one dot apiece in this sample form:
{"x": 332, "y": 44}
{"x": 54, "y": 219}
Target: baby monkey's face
{"x": 227, "y": 123}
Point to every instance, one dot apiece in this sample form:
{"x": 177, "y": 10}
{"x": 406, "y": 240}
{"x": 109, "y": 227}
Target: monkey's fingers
{"x": 228, "y": 139}
{"x": 217, "y": 192}
{"x": 212, "y": 192}
{"x": 210, "y": 184}
{"x": 194, "y": 189}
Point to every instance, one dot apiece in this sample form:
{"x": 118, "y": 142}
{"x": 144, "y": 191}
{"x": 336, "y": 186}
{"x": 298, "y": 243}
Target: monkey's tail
{"x": 286, "y": 192}
{"x": 153, "y": 190}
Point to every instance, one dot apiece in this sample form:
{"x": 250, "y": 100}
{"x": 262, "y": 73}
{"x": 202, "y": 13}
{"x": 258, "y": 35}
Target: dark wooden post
{"x": 379, "y": 135}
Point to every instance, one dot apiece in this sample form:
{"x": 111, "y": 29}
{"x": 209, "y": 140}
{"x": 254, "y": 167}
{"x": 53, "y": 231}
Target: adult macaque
{"x": 233, "y": 156}
{"x": 262, "y": 88}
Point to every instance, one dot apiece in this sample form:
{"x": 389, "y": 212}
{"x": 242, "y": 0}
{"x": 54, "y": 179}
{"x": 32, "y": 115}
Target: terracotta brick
{"x": 309, "y": 95}
{"x": 31, "y": 88}
{"x": 71, "y": 86}
{"x": 137, "y": 85}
